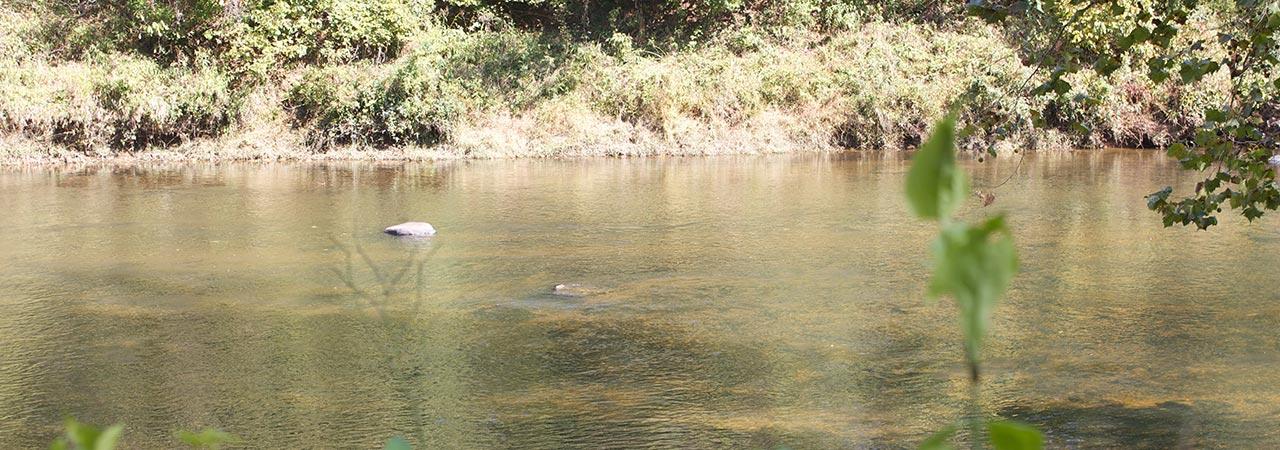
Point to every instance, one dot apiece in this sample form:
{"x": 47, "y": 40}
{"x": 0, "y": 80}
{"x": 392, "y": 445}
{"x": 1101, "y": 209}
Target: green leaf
{"x": 1157, "y": 69}
{"x": 938, "y": 441}
{"x": 1211, "y": 185}
{"x": 397, "y": 443}
{"x": 82, "y": 436}
{"x": 985, "y": 10}
{"x": 87, "y": 437}
{"x": 1139, "y": 35}
{"x": 934, "y": 186}
{"x": 974, "y": 265}
{"x": 1037, "y": 119}
{"x": 1061, "y": 86}
{"x": 1158, "y": 198}
{"x": 108, "y": 439}
{"x": 1189, "y": 72}
{"x": 1010, "y": 435}
{"x": 1162, "y": 34}
{"x": 206, "y": 438}
{"x": 1251, "y": 212}
{"x": 1106, "y": 65}
{"x": 1158, "y": 75}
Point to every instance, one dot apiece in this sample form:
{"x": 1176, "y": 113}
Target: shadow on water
{"x": 555, "y": 372}
{"x": 571, "y": 380}
{"x": 416, "y": 356}
{"x": 1166, "y": 425}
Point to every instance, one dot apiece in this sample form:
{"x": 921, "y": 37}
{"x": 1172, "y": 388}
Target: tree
{"x": 1233, "y": 148}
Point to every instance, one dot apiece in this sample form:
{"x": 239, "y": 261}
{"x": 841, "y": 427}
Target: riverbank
{"x": 413, "y": 85}
{"x": 285, "y": 147}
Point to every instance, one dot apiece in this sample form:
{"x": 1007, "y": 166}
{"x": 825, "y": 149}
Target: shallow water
{"x": 747, "y": 302}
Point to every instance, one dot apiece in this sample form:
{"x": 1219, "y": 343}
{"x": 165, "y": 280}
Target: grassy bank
{"x": 419, "y": 79}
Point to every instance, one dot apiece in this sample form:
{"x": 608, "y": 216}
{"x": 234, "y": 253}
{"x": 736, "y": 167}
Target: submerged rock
{"x": 411, "y": 229}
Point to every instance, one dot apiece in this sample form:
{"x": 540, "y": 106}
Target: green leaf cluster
{"x": 210, "y": 438}
{"x": 81, "y": 436}
{"x": 935, "y": 187}
{"x": 973, "y": 263}
{"x": 1163, "y": 39}
{"x": 1003, "y": 434}
{"x": 1241, "y": 173}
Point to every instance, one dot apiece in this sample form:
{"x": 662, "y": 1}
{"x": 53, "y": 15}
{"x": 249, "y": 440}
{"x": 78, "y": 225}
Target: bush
{"x": 23, "y": 36}
{"x": 270, "y": 35}
{"x": 255, "y": 37}
{"x": 420, "y": 98}
{"x": 1127, "y": 109}
{"x": 359, "y": 104}
{"x": 672, "y": 24}
{"x": 903, "y": 79}
{"x": 119, "y": 103}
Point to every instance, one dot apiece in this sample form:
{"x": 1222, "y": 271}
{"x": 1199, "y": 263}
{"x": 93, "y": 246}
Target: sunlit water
{"x": 737, "y": 302}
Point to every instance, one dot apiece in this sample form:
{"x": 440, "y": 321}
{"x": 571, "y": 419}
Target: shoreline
{"x": 402, "y": 156}
{"x": 282, "y": 144}
{"x": 381, "y": 155}
{"x": 56, "y": 157}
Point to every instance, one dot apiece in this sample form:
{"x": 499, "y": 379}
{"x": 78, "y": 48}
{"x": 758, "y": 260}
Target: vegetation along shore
{"x": 423, "y": 79}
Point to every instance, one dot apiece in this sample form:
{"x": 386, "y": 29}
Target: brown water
{"x": 750, "y": 302}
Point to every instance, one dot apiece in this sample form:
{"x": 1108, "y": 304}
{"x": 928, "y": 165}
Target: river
{"x": 729, "y": 302}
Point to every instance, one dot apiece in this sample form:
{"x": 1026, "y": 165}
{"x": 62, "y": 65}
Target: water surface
{"x": 740, "y": 302}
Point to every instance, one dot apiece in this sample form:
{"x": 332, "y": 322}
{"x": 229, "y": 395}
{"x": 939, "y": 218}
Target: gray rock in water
{"x": 411, "y": 229}
{"x": 1275, "y": 160}
{"x": 575, "y": 290}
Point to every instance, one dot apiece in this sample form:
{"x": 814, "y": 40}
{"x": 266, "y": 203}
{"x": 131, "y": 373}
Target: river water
{"x": 729, "y": 302}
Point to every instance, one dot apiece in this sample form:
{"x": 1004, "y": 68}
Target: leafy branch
{"x": 1235, "y": 146}
{"x": 973, "y": 264}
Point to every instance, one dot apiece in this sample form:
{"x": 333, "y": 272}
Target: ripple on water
{"x": 748, "y": 303}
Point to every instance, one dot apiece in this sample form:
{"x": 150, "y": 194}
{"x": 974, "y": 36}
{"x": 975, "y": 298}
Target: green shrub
{"x": 419, "y": 99}
{"x": 118, "y": 103}
{"x": 22, "y": 38}
{"x": 254, "y": 37}
{"x": 357, "y": 104}
{"x": 269, "y": 35}
{"x": 169, "y": 30}
{"x": 671, "y": 24}
{"x": 905, "y": 77}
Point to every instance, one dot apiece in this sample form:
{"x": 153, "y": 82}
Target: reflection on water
{"x": 731, "y": 302}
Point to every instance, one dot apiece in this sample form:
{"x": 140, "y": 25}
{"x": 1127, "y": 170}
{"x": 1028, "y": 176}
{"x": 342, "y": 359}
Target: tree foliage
{"x": 1234, "y": 145}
